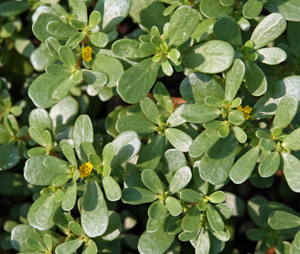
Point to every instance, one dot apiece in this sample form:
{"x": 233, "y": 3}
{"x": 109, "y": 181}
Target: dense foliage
{"x": 99, "y": 155}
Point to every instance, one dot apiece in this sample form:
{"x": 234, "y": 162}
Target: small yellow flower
{"x": 87, "y": 53}
{"x": 85, "y": 169}
{"x": 246, "y": 111}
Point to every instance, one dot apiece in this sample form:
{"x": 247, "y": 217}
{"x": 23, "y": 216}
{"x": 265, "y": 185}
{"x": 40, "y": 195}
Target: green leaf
{"x": 36, "y": 173}
{"x": 66, "y": 55}
{"x": 292, "y": 141}
{"x": 111, "y": 188}
{"x": 252, "y": 8}
{"x": 243, "y": 168}
{"x": 269, "y": 165}
{"x": 134, "y": 78}
{"x": 52, "y": 47}
{"x": 203, "y": 30}
{"x": 62, "y": 90}
{"x": 129, "y": 49}
{"x": 179, "y": 139}
{"x": 69, "y": 199}
{"x": 41, "y": 94}
{"x": 175, "y": 119}
{"x": 180, "y": 179}
{"x": 57, "y": 69}
{"x": 191, "y": 220}
{"x": 99, "y": 39}
{"x": 95, "y": 78}
{"x": 153, "y": 225}
{"x": 34, "y": 244}
{"x": 61, "y": 121}
{"x": 203, "y": 142}
{"x": 56, "y": 165}
{"x": 203, "y": 244}
{"x": 234, "y": 78}
{"x": 114, "y": 226}
{"x": 224, "y": 131}
{"x": 39, "y": 26}
{"x": 7, "y": 30}
{"x": 90, "y": 247}
{"x": 271, "y": 56}
{"x": 182, "y": 24}
{"x": 286, "y": 111}
{"x": 225, "y": 210}
{"x": 166, "y": 66}
{"x": 141, "y": 126}
{"x": 256, "y": 81}
{"x": 239, "y": 134}
{"x": 213, "y": 9}
{"x": 217, "y": 197}
{"x": 60, "y": 29}
{"x": 83, "y": 131}
{"x": 13, "y": 8}
{"x": 174, "y": 206}
{"x": 75, "y": 39}
{"x": 223, "y": 235}
{"x": 209, "y": 57}
{"x": 291, "y": 171}
{"x": 197, "y": 86}
{"x": 267, "y": 105}
{"x": 37, "y": 136}
{"x": 156, "y": 210}
{"x": 217, "y": 162}
{"x": 173, "y": 161}
{"x": 236, "y": 117}
{"x": 79, "y": 7}
{"x": 155, "y": 243}
{"x": 76, "y": 228}
{"x": 161, "y": 94}
{"x": 227, "y": 29}
{"x": 267, "y": 144}
{"x": 61, "y": 180}
{"x": 108, "y": 153}
{"x": 113, "y": 12}
{"x": 271, "y": 27}
{"x": 199, "y": 113}
{"x": 289, "y": 9}
{"x": 150, "y": 155}
{"x": 212, "y": 101}
{"x": 127, "y": 145}
{"x": 69, "y": 247}
{"x": 109, "y": 65}
{"x": 18, "y": 241}
{"x": 297, "y": 240}
{"x": 4, "y": 134}
{"x": 94, "y": 19}
{"x": 68, "y": 152}
{"x": 255, "y": 234}
{"x": 94, "y": 213}
{"x": 151, "y": 181}
{"x": 9, "y": 156}
{"x": 280, "y": 220}
{"x": 43, "y": 212}
{"x": 137, "y": 196}
{"x": 189, "y": 195}
{"x": 23, "y": 46}
{"x": 214, "y": 218}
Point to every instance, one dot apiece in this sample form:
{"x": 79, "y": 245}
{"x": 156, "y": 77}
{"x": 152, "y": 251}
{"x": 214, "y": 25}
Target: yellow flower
{"x": 85, "y": 169}
{"x": 87, "y": 53}
{"x": 246, "y": 111}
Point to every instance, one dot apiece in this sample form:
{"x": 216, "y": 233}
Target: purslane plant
{"x": 235, "y": 64}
